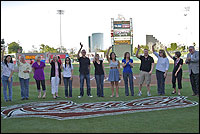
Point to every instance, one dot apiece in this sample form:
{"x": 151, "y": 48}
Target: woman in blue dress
{"x": 114, "y": 73}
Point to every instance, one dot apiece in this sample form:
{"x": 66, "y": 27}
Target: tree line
{"x": 14, "y": 47}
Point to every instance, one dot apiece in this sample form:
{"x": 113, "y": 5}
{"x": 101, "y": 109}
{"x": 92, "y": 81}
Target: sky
{"x": 37, "y": 22}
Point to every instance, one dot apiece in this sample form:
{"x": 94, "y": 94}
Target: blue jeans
{"x": 160, "y": 82}
{"x": 129, "y": 76}
{"x": 24, "y": 83}
{"x": 99, "y": 82}
{"x": 87, "y": 77}
{"x": 67, "y": 82}
{"x": 6, "y": 83}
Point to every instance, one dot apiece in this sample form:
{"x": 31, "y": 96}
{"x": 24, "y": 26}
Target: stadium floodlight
{"x": 187, "y": 9}
{"x": 60, "y": 12}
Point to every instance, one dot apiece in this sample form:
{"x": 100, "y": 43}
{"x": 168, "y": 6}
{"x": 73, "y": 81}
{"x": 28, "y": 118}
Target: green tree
{"x": 13, "y": 47}
{"x": 169, "y": 49}
{"x": 105, "y": 51}
{"x": 173, "y": 46}
{"x": 140, "y": 51}
{"x": 182, "y": 48}
{"x": 47, "y": 48}
{"x": 142, "y": 47}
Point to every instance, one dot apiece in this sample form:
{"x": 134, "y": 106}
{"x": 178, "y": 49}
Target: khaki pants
{"x": 145, "y": 76}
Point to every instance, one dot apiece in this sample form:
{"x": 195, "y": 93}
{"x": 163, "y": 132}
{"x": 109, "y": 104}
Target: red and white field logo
{"x": 63, "y": 110}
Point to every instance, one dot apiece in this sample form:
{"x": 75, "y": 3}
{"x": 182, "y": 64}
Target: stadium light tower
{"x": 60, "y": 12}
{"x": 186, "y": 12}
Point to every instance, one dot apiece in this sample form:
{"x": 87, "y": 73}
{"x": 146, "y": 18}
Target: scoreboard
{"x": 122, "y": 36}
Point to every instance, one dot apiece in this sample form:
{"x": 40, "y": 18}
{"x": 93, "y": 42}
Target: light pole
{"x": 60, "y": 12}
{"x": 187, "y": 9}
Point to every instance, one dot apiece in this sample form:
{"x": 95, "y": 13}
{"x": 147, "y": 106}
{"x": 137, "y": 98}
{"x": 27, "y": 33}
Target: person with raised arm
{"x": 39, "y": 76}
{"x": 84, "y": 69}
{"x": 177, "y": 71}
{"x": 114, "y": 73}
{"x": 55, "y": 76}
{"x": 7, "y": 67}
{"x": 146, "y": 69}
{"x": 162, "y": 67}
{"x": 99, "y": 75}
{"x": 24, "y": 71}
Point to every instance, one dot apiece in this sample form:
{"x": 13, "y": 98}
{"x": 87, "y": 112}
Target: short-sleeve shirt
{"x": 39, "y": 72}
{"x": 67, "y": 70}
{"x": 84, "y": 64}
{"x": 127, "y": 68}
{"x": 146, "y": 63}
{"x": 22, "y": 68}
{"x": 177, "y": 63}
{"x": 6, "y": 70}
{"x": 98, "y": 68}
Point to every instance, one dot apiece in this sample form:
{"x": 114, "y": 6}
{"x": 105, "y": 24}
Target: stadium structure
{"x": 121, "y": 36}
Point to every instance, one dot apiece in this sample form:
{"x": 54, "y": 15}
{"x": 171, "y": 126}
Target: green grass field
{"x": 180, "y": 120}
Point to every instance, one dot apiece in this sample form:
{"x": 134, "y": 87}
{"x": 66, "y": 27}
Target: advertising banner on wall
{"x": 122, "y": 38}
{"x": 122, "y": 42}
{"x": 116, "y": 26}
{"x": 121, "y": 24}
{"x": 122, "y": 32}
{"x": 28, "y": 57}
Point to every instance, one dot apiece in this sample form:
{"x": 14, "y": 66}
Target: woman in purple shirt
{"x": 38, "y": 69}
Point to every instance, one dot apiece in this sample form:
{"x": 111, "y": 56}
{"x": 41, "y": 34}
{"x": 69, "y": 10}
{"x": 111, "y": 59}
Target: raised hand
{"x": 110, "y": 47}
{"x": 81, "y": 45}
{"x": 138, "y": 46}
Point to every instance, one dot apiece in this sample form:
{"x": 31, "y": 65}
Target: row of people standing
{"x": 146, "y": 68}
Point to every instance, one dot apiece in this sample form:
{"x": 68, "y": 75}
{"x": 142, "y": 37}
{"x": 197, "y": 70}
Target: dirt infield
{"x": 76, "y": 81}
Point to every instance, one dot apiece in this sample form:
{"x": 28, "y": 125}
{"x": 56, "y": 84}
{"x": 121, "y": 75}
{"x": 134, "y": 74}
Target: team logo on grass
{"x": 63, "y": 110}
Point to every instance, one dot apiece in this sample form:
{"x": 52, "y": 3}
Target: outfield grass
{"x": 180, "y": 120}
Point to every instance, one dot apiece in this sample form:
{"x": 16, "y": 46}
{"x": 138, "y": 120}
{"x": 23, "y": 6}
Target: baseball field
{"x": 173, "y": 120}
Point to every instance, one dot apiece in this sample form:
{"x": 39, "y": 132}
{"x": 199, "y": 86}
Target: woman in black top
{"x": 177, "y": 71}
{"x": 99, "y": 75}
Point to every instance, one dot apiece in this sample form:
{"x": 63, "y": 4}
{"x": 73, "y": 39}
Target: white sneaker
{"x": 80, "y": 96}
{"x": 148, "y": 94}
{"x": 140, "y": 93}
{"x": 90, "y": 96}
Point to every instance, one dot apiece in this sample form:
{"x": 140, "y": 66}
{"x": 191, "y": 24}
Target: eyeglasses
{"x": 67, "y": 60}
{"x": 160, "y": 52}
